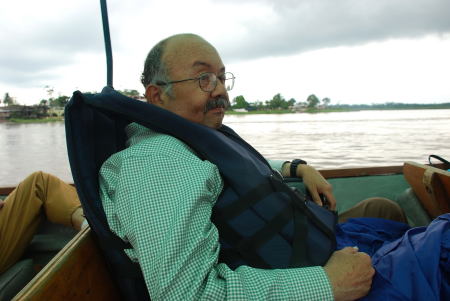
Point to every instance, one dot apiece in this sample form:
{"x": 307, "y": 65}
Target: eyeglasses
{"x": 207, "y": 81}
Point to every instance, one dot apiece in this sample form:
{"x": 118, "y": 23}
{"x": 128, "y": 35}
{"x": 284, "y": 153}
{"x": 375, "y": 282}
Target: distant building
{"x": 18, "y": 111}
{"x": 140, "y": 97}
{"x": 4, "y": 113}
{"x": 300, "y": 106}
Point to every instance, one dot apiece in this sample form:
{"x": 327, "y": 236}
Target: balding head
{"x": 163, "y": 55}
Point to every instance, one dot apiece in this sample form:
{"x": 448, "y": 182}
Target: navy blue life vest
{"x": 261, "y": 221}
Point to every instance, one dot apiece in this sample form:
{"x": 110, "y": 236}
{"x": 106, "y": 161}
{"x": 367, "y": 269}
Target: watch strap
{"x": 293, "y": 167}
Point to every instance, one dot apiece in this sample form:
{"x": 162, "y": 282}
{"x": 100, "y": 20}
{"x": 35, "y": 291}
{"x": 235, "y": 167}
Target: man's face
{"x": 190, "y": 58}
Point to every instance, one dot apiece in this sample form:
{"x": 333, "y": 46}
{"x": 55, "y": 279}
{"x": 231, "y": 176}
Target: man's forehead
{"x": 202, "y": 64}
{"x": 192, "y": 52}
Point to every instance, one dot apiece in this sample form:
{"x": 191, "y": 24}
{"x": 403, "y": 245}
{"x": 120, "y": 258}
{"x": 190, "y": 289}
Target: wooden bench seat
{"x": 77, "y": 272}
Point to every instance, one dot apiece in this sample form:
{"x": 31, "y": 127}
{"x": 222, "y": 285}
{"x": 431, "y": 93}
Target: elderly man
{"x": 159, "y": 195}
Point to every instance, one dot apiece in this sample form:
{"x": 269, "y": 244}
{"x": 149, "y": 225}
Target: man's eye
{"x": 222, "y": 78}
{"x": 205, "y": 77}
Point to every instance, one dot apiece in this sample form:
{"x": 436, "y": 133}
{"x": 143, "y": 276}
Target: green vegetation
{"x": 391, "y": 106}
{"x": 260, "y": 112}
{"x": 60, "y": 101}
{"x": 36, "y": 120}
{"x": 279, "y": 105}
{"x": 51, "y": 109}
{"x": 8, "y": 100}
{"x": 130, "y": 93}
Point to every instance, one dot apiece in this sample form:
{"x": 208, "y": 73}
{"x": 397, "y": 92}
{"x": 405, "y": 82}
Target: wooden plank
{"x": 365, "y": 171}
{"x": 77, "y": 272}
{"x": 360, "y": 172}
{"x": 6, "y": 190}
{"x": 431, "y": 185}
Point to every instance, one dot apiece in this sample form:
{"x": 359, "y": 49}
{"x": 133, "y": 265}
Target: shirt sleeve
{"x": 276, "y": 164}
{"x": 163, "y": 207}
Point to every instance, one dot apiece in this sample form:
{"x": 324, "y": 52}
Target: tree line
{"x": 61, "y": 100}
{"x": 313, "y": 104}
{"x": 278, "y": 102}
{"x": 47, "y": 107}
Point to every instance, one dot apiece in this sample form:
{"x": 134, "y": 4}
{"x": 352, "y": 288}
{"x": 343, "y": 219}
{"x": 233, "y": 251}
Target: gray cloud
{"x": 33, "y": 50}
{"x": 313, "y": 24}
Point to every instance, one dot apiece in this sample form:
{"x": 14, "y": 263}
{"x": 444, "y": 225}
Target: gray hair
{"x": 154, "y": 68}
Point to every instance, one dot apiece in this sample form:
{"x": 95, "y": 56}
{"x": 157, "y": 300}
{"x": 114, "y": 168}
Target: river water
{"x": 325, "y": 140}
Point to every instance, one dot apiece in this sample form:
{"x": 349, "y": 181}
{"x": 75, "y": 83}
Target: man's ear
{"x": 153, "y": 94}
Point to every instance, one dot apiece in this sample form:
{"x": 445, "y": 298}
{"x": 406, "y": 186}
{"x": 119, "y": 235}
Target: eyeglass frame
{"x": 162, "y": 83}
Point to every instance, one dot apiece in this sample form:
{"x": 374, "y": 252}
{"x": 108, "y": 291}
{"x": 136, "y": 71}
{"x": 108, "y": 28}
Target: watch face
{"x": 299, "y": 161}
{"x": 294, "y": 164}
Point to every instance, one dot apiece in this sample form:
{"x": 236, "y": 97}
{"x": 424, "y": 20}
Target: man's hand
{"x": 350, "y": 273}
{"x": 316, "y": 184}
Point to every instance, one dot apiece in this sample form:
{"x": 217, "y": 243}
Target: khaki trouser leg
{"x": 38, "y": 194}
{"x": 375, "y": 207}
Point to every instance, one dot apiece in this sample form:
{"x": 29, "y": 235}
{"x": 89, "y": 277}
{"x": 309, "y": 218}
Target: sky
{"x": 351, "y": 51}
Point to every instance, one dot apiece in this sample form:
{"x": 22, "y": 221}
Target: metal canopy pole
{"x": 108, "y": 49}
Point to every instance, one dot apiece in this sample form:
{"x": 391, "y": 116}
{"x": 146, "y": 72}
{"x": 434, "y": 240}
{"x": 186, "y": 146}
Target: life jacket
{"x": 261, "y": 221}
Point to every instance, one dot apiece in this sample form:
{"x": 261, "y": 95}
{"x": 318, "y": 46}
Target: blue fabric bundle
{"x": 410, "y": 263}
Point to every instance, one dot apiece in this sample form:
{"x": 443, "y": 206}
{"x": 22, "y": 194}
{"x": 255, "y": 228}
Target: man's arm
{"x": 313, "y": 180}
{"x": 163, "y": 207}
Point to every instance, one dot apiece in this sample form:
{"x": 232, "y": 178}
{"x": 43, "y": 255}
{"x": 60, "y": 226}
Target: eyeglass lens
{"x": 208, "y": 81}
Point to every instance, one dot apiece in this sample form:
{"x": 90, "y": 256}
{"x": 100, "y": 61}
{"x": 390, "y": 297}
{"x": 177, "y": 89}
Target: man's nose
{"x": 220, "y": 90}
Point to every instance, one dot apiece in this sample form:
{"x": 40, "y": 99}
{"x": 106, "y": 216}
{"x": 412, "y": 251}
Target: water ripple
{"x": 331, "y": 140}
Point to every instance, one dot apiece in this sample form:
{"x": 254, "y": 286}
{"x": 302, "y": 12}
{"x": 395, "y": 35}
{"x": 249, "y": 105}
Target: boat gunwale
{"x": 327, "y": 173}
{"x": 51, "y": 268}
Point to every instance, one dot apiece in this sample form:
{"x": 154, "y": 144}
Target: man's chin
{"x": 214, "y": 118}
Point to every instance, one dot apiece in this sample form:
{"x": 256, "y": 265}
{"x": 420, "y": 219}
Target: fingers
{"x": 316, "y": 197}
{"x": 350, "y": 250}
{"x": 330, "y": 197}
{"x": 317, "y": 184}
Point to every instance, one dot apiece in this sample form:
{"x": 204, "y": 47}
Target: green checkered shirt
{"x": 158, "y": 195}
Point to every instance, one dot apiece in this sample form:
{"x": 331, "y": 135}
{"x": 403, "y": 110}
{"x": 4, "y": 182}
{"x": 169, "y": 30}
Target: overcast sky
{"x": 352, "y": 51}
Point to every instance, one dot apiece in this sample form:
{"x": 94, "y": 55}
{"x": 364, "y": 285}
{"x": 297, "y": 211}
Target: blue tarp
{"x": 410, "y": 263}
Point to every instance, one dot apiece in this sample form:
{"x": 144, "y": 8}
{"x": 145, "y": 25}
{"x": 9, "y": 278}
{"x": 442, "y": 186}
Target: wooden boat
{"x": 78, "y": 271}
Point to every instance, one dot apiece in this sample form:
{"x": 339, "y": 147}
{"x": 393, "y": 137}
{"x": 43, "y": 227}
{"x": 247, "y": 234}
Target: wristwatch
{"x": 293, "y": 168}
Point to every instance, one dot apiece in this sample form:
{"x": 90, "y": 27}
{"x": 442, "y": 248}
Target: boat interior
{"x": 61, "y": 263}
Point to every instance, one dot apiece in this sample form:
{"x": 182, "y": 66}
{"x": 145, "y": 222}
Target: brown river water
{"x": 325, "y": 140}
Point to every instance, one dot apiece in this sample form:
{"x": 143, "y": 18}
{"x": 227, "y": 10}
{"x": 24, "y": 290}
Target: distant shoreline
{"x": 308, "y": 111}
{"x": 35, "y": 120}
{"x": 331, "y": 110}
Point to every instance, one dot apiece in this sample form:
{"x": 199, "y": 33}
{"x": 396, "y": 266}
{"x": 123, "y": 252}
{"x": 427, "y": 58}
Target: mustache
{"x": 219, "y": 102}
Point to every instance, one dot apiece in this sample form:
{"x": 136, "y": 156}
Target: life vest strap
{"x": 246, "y": 201}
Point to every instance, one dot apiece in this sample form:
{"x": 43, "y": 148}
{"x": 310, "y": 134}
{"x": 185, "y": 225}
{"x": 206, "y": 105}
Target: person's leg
{"x": 61, "y": 203}
{"x": 375, "y": 207}
{"x": 22, "y": 213}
